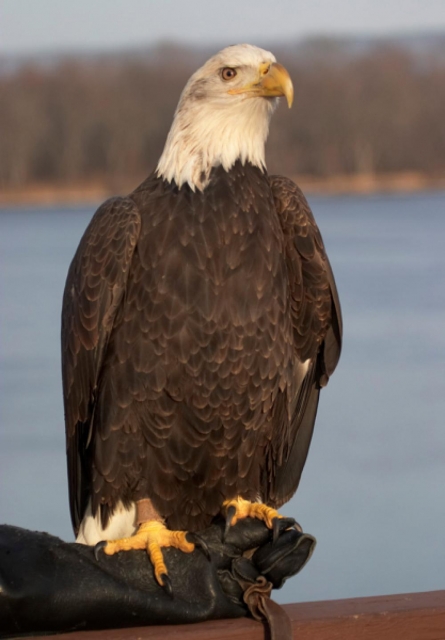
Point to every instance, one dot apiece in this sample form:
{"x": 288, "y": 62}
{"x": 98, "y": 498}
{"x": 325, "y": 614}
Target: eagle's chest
{"x": 215, "y": 256}
{"x": 210, "y": 288}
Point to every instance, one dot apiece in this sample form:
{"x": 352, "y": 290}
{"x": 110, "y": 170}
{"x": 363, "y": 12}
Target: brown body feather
{"x": 187, "y": 318}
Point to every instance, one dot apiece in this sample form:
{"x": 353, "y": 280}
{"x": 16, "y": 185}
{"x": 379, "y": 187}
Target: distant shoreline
{"x": 97, "y": 191}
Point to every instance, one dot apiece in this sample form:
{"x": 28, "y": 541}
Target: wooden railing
{"x": 412, "y": 616}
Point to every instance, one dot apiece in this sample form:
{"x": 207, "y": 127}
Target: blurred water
{"x": 373, "y": 491}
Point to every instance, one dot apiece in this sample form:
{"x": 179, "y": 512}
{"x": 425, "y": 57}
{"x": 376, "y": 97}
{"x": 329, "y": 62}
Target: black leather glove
{"x": 48, "y": 586}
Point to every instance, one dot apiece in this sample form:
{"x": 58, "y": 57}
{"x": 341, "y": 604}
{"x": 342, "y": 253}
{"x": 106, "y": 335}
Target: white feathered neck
{"x": 211, "y": 128}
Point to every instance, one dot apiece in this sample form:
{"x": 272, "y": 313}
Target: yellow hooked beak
{"x": 273, "y": 81}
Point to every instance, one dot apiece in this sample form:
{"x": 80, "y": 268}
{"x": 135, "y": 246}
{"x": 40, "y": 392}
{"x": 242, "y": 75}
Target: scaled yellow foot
{"x": 152, "y": 536}
{"x": 238, "y": 508}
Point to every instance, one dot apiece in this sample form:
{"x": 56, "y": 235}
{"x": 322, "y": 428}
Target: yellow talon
{"x": 245, "y": 509}
{"x": 152, "y": 536}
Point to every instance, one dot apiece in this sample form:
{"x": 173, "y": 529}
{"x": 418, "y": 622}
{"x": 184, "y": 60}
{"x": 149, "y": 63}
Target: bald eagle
{"x": 200, "y": 320}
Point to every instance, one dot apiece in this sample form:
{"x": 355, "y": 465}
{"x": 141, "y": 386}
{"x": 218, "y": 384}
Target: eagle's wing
{"x": 317, "y": 327}
{"x": 94, "y": 289}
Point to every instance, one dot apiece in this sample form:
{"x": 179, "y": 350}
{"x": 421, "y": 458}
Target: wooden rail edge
{"x": 411, "y": 616}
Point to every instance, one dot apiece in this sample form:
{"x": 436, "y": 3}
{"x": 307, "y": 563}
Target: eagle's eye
{"x": 228, "y": 73}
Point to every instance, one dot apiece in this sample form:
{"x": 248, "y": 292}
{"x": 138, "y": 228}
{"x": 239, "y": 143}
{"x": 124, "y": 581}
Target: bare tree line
{"x": 378, "y": 111}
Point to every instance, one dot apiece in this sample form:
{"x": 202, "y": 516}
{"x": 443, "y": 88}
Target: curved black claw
{"x": 98, "y": 547}
{"x": 275, "y": 529}
{"x": 230, "y": 513}
{"x": 195, "y": 539}
{"x": 280, "y": 525}
{"x": 167, "y": 584}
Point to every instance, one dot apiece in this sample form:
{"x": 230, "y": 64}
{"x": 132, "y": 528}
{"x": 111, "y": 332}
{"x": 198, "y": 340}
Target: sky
{"x": 40, "y": 26}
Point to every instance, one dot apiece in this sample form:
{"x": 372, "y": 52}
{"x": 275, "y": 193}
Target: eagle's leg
{"x": 152, "y": 535}
{"x": 238, "y": 508}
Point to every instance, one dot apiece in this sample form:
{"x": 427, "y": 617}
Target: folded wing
{"x": 317, "y": 329}
{"x": 94, "y": 291}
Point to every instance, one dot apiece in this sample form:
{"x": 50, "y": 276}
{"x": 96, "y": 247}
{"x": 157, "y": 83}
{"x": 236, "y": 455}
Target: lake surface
{"x": 373, "y": 490}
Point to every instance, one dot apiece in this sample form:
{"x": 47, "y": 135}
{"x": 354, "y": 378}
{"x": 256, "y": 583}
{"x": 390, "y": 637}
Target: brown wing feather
{"x": 94, "y": 289}
{"x": 317, "y": 328}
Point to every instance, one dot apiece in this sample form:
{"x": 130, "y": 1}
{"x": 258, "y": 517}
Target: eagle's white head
{"x": 223, "y": 115}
